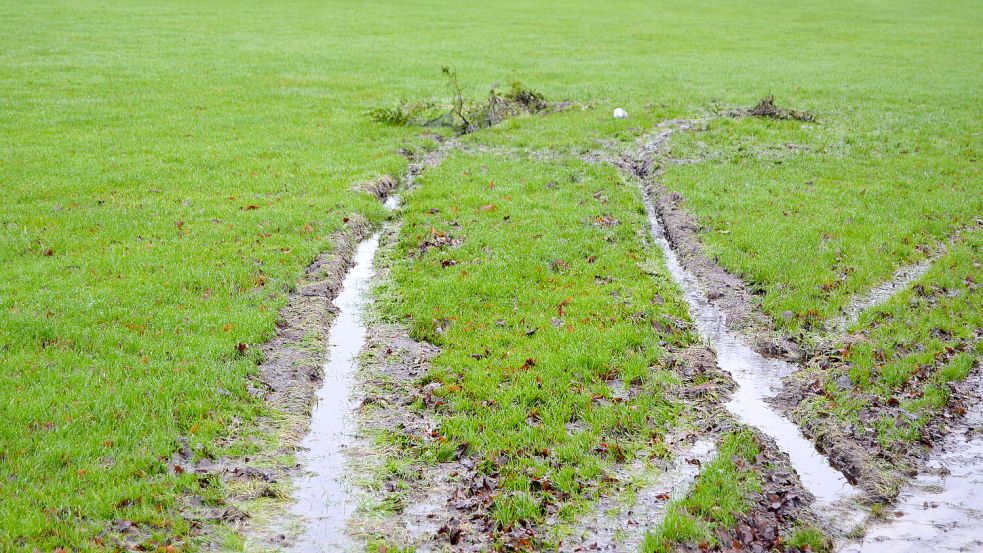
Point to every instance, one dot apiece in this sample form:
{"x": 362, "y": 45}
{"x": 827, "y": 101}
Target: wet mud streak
{"x": 901, "y": 279}
{"x": 758, "y": 378}
{"x": 682, "y": 231}
{"x": 942, "y": 508}
{"x": 407, "y": 507}
{"x": 904, "y": 277}
{"x": 622, "y": 527}
{"x": 323, "y": 497}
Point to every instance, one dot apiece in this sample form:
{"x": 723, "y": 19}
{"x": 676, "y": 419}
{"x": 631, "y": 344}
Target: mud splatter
{"x": 381, "y": 187}
{"x": 288, "y": 379}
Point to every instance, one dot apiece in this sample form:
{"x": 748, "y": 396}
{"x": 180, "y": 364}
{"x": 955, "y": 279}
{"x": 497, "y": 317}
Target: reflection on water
{"x": 323, "y": 498}
{"x": 757, "y": 378}
{"x": 942, "y": 508}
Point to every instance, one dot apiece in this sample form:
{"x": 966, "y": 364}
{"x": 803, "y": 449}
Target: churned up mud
{"x": 758, "y": 379}
{"x": 766, "y": 107}
{"x": 681, "y": 230}
{"x": 936, "y": 509}
{"x": 941, "y": 508}
{"x": 308, "y": 376}
{"x": 322, "y": 497}
{"x": 616, "y": 525}
{"x": 713, "y": 296}
{"x": 429, "y": 507}
{"x": 288, "y": 379}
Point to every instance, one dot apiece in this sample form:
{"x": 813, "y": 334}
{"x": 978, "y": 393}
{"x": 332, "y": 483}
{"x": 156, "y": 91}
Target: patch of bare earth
{"x": 854, "y": 448}
{"x": 766, "y": 107}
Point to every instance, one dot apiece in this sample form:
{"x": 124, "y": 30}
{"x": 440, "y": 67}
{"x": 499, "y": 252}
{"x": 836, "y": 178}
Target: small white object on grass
{"x": 620, "y": 113}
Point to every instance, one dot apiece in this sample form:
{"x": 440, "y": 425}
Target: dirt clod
{"x": 382, "y": 186}
{"x": 766, "y": 107}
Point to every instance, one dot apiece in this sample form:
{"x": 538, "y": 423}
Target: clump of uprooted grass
{"x": 466, "y": 115}
{"x": 766, "y": 107}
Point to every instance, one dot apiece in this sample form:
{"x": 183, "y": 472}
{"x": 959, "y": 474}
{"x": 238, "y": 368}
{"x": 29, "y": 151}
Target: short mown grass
{"x": 554, "y": 316}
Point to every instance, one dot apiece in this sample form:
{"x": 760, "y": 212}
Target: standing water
{"x": 942, "y": 509}
{"x": 757, "y": 378}
{"x": 322, "y": 496}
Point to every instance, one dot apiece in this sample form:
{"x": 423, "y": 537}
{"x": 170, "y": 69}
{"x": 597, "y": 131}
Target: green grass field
{"x": 170, "y": 168}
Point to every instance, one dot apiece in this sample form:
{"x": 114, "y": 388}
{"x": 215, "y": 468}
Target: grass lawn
{"x": 170, "y": 168}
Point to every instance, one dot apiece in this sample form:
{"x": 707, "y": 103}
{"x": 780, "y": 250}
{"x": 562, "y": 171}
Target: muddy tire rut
{"x": 445, "y": 506}
{"x": 879, "y": 480}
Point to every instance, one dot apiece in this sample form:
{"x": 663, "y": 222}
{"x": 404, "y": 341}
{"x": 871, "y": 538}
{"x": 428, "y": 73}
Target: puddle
{"x": 323, "y": 498}
{"x": 942, "y": 508}
{"x": 758, "y": 379}
{"x": 617, "y": 526}
{"x": 392, "y": 202}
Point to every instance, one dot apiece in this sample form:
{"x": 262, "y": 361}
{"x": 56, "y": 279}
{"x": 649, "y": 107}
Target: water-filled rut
{"x": 758, "y": 379}
{"x": 942, "y": 508}
{"x": 323, "y": 499}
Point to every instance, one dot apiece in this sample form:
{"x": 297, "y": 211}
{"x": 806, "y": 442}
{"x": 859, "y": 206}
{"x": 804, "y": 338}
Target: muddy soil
{"x": 858, "y": 461}
{"x": 613, "y": 523}
{"x": 716, "y": 299}
{"x": 619, "y": 526}
{"x": 726, "y": 316}
{"x": 323, "y": 497}
{"x": 767, "y": 107}
{"x": 878, "y": 475}
{"x": 776, "y": 510}
{"x": 941, "y": 508}
{"x": 724, "y": 290}
{"x": 288, "y": 378}
{"x": 853, "y": 449}
{"x": 431, "y": 507}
